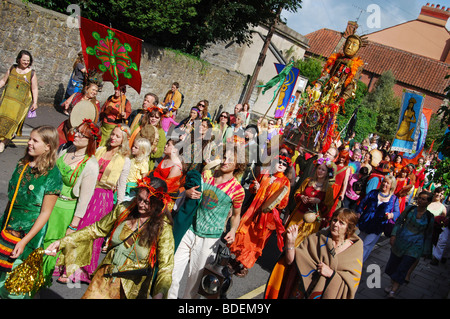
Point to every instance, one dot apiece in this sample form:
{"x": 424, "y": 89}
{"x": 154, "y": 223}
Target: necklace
{"x": 341, "y": 244}
{"x": 383, "y": 195}
{"x": 75, "y": 155}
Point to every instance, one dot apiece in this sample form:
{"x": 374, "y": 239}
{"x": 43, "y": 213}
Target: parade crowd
{"x": 158, "y": 194}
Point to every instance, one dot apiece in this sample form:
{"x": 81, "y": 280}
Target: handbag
{"x": 310, "y": 216}
{"x": 9, "y": 239}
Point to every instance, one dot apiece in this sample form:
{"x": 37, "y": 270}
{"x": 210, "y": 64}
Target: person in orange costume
{"x": 340, "y": 179}
{"x": 262, "y": 217}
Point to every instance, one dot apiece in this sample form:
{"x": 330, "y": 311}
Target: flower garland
{"x": 285, "y": 158}
{"x": 95, "y": 131}
{"x": 352, "y": 66}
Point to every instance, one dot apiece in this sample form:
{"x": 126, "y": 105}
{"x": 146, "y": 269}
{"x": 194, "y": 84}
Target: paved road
{"x": 428, "y": 282}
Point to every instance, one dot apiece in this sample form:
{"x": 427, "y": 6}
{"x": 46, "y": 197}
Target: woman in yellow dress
{"x": 21, "y": 91}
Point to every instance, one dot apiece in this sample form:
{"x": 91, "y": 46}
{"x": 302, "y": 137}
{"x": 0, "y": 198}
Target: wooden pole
{"x": 262, "y": 57}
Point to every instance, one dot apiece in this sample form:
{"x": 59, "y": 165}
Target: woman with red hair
{"x": 77, "y": 164}
{"x": 341, "y": 179}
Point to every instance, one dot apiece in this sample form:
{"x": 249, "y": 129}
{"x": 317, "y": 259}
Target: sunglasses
{"x": 77, "y": 132}
{"x": 283, "y": 163}
{"x": 201, "y": 105}
{"x": 224, "y": 115}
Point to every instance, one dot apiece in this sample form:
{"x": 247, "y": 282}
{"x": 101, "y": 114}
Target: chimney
{"x": 351, "y": 28}
{"x": 434, "y": 14}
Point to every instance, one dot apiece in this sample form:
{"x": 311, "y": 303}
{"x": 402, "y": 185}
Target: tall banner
{"x": 412, "y": 157}
{"x": 287, "y": 89}
{"x": 112, "y": 52}
{"x": 408, "y": 130}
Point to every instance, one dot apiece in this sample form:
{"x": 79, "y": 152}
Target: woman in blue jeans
{"x": 375, "y": 209}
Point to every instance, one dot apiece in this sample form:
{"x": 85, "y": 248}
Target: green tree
{"x": 383, "y": 101}
{"x": 186, "y": 25}
{"x": 435, "y": 132}
{"x": 310, "y": 68}
{"x": 366, "y": 118}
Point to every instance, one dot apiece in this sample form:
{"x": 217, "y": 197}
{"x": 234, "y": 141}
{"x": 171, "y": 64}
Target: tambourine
{"x": 83, "y": 110}
{"x": 274, "y": 200}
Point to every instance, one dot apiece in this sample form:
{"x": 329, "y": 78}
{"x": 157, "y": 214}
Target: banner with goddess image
{"x": 408, "y": 129}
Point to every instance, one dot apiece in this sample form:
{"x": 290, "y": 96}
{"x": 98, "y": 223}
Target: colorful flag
{"x": 112, "y": 52}
{"x": 408, "y": 130}
{"x": 412, "y": 157}
{"x": 287, "y": 88}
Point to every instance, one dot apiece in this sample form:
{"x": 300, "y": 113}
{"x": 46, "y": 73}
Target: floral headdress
{"x": 289, "y": 150}
{"x": 155, "y": 108}
{"x": 285, "y": 158}
{"x": 95, "y": 131}
{"x": 329, "y": 164}
{"x": 124, "y": 129}
{"x": 158, "y": 193}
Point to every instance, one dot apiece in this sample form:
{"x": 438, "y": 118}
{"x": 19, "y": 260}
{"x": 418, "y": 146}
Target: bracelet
{"x": 289, "y": 248}
{"x": 72, "y": 228}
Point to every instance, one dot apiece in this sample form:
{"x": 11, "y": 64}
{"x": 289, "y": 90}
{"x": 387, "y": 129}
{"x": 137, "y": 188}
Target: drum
{"x": 83, "y": 110}
{"x": 274, "y": 200}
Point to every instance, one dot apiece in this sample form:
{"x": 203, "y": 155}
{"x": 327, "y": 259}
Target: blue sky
{"x": 334, "y": 14}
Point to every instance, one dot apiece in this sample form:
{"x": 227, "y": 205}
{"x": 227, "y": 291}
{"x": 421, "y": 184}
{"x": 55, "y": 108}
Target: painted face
{"x": 116, "y": 137}
{"x": 281, "y": 166}
{"x": 351, "y": 47}
{"x": 143, "y": 203}
{"x": 36, "y": 146}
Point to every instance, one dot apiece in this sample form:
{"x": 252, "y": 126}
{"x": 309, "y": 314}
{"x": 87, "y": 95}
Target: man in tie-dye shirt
{"x": 221, "y": 193}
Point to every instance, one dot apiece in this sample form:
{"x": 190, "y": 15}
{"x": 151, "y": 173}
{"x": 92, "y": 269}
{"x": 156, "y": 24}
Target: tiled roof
{"x": 408, "y": 68}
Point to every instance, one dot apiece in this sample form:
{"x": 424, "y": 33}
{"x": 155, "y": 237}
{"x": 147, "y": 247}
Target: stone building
{"x": 285, "y": 44}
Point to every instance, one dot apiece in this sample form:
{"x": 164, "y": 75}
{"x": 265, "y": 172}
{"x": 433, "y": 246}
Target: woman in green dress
{"x": 32, "y": 198}
{"x": 21, "y": 91}
{"x": 141, "y": 244}
{"x": 78, "y": 165}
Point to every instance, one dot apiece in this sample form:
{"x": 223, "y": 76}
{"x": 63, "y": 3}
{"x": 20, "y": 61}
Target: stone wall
{"x": 54, "y": 46}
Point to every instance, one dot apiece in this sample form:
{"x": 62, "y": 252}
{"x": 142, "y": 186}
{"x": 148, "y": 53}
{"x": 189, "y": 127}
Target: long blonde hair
{"x": 144, "y": 149}
{"x": 124, "y": 148}
{"x": 47, "y": 161}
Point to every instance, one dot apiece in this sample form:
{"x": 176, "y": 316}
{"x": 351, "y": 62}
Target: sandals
{"x": 63, "y": 279}
{"x": 237, "y": 268}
